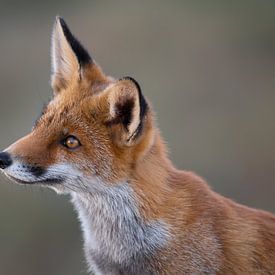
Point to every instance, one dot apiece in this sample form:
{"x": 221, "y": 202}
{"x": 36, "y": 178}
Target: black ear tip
{"x": 132, "y": 80}
{"x": 59, "y": 19}
{"x": 63, "y": 23}
{"x": 80, "y": 52}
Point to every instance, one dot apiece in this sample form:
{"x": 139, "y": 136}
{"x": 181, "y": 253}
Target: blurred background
{"x": 208, "y": 67}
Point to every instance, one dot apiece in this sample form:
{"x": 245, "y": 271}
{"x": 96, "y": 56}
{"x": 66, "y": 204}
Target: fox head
{"x": 95, "y": 127}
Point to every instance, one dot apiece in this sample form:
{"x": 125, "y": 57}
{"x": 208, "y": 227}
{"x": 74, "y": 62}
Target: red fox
{"x": 97, "y": 141}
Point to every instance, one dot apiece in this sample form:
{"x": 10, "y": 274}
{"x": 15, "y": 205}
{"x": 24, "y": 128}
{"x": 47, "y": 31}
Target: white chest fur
{"x": 113, "y": 227}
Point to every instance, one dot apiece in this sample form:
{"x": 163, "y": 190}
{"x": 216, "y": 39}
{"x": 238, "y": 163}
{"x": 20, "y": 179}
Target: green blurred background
{"x": 208, "y": 67}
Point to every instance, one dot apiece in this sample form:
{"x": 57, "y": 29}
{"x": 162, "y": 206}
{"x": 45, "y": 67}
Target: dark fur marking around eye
{"x": 82, "y": 55}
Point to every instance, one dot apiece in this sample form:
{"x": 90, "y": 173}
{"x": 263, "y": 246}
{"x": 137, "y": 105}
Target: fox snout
{"x": 6, "y": 161}
{"x": 18, "y": 169}
{"x": 32, "y": 160}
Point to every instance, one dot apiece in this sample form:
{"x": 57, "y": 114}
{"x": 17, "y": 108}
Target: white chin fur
{"x": 73, "y": 178}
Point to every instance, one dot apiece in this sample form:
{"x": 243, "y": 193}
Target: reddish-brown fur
{"x": 206, "y": 228}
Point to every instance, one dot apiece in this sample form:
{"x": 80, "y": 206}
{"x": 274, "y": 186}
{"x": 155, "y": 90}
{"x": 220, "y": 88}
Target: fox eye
{"x": 71, "y": 142}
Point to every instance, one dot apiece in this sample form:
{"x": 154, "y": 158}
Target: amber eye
{"x": 71, "y": 142}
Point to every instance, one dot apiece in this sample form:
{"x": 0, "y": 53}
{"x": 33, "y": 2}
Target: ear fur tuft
{"x": 81, "y": 53}
{"x": 142, "y": 102}
{"x": 128, "y": 108}
{"x": 69, "y": 57}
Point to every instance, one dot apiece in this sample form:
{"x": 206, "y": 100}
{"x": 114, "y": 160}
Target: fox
{"x": 97, "y": 141}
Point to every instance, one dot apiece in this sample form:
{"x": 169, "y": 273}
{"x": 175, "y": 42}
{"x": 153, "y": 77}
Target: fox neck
{"x": 150, "y": 179}
{"x": 123, "y": 222}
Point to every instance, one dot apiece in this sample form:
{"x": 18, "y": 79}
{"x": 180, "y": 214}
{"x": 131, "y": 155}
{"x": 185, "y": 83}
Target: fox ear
{"x": 127, "y": 110}
{"x": 68, "y": 56}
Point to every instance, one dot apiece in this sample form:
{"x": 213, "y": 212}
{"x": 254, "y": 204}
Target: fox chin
{"x": 97, "y": 141}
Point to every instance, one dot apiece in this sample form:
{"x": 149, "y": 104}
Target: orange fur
{"x": 208, "y": 231}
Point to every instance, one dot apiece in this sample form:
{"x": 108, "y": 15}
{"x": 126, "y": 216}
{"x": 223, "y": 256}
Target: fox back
{"x": 97, "y": 141}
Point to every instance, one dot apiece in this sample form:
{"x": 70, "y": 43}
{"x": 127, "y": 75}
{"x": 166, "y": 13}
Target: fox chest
{"x": 116, "y": 239}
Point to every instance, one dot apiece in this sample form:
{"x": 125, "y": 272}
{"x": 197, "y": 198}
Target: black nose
{"x": 5, "y": 160}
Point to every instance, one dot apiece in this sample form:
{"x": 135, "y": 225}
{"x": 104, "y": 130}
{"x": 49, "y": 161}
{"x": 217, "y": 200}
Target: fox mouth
{"x": 46, "y": 181}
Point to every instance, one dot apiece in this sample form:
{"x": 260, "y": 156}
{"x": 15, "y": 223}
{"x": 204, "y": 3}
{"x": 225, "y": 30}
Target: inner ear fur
{"x": 127, "y": 110}
{"x": 71, "y": 62}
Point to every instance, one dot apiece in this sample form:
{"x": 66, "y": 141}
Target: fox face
{"x": 95, "y": 127}
{"x": 94, "y": 140}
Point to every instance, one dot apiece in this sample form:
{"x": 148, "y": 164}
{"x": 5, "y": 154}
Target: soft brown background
{"x": 208, "y": 67}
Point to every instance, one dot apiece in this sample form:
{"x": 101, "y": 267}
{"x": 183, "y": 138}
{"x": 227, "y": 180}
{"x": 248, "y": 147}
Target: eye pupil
{"x": 71, "y": 142}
